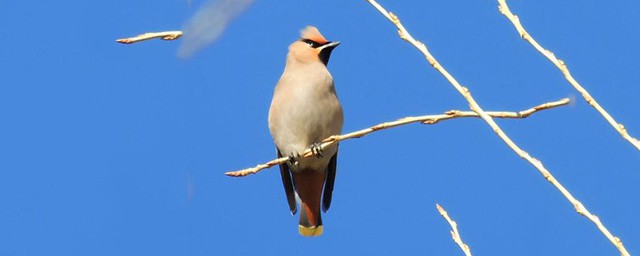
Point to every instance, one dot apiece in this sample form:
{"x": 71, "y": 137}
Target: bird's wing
{"x": 287, "y": 182}
{"x": 328, "y": 185}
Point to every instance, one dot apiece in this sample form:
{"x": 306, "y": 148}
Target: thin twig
{"x": 504, "y": 9}
{"x": 426, "y": 119}
{"x": 580, "y": 208}
{"x": 455, "y": 235}
{"x": 164, "y": 35}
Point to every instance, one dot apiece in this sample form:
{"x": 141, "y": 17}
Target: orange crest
{"x": 312, "y": 33}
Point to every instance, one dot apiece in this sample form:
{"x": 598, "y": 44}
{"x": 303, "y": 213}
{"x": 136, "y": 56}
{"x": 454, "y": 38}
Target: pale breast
{"x": 305, "y": 110}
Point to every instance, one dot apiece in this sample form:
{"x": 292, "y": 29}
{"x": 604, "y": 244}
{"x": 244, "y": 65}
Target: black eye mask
{"x": 311, "y": 43}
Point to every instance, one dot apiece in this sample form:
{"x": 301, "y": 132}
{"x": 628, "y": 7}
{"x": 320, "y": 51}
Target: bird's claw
{"x": 293, "y": 158}
{"x": 316, "y": 149}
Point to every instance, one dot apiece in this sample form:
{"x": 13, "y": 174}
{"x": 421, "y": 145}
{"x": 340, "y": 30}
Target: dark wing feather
{"x": 328, "y": 185}
{"x": 288, "y": 185}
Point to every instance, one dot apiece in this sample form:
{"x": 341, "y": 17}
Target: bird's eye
{"x": 311, "y": 43}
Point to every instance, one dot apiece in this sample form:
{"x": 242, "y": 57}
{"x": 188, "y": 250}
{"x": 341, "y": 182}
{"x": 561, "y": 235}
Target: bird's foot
{"x": 293, "y": 159}
{"x": 316, "y": 149}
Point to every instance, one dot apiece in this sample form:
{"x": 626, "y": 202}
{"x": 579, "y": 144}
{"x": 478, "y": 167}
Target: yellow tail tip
{"x": 310, "y": 231}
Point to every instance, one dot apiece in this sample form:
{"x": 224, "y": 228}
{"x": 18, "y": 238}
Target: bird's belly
{"x": 309, "y": 121}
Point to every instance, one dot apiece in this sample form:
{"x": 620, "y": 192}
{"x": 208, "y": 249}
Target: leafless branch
{"x": 427, "y": 119}
{"x": 455, "y": 235}
{"x": 580, "y": 208}
{"x": 164, "y": 35}
{"x": 504, "y": 9}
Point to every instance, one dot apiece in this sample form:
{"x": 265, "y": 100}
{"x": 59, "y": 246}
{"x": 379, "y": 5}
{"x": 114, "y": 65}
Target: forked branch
{"x": 580, "y": 208}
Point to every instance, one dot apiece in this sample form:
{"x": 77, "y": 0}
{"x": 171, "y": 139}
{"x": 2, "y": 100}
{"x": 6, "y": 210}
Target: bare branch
{"x": 504, "y": 9}
{"x": 427, "y": 119}
{"x": 164, "y": 35}
{"x": 455, "y": 235}
{"x": 580, "y": 208}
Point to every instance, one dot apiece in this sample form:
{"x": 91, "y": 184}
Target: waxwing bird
{"x": 304, "y": 111}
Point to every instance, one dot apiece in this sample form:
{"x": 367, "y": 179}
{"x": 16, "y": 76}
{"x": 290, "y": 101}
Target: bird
{"x": 304, "y": 111}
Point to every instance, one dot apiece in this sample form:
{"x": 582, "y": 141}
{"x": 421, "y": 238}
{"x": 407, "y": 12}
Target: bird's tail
{"x": 309, "y": 187}
{"x": 310, "y": 221}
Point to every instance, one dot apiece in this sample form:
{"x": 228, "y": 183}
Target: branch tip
{"x": 164, "y": 35}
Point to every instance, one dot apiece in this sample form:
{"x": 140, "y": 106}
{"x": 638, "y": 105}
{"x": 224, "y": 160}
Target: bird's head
{"x": 311, "y": 47}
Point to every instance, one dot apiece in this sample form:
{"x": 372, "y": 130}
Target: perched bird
{"x": 304, "y": 111}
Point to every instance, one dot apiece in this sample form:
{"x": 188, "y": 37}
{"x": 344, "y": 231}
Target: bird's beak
{"x": 325, "y": 51}
{"x": 330, "y": 45}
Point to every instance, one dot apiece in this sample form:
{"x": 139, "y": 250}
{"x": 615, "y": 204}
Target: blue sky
{"x": 108, "y": 149}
